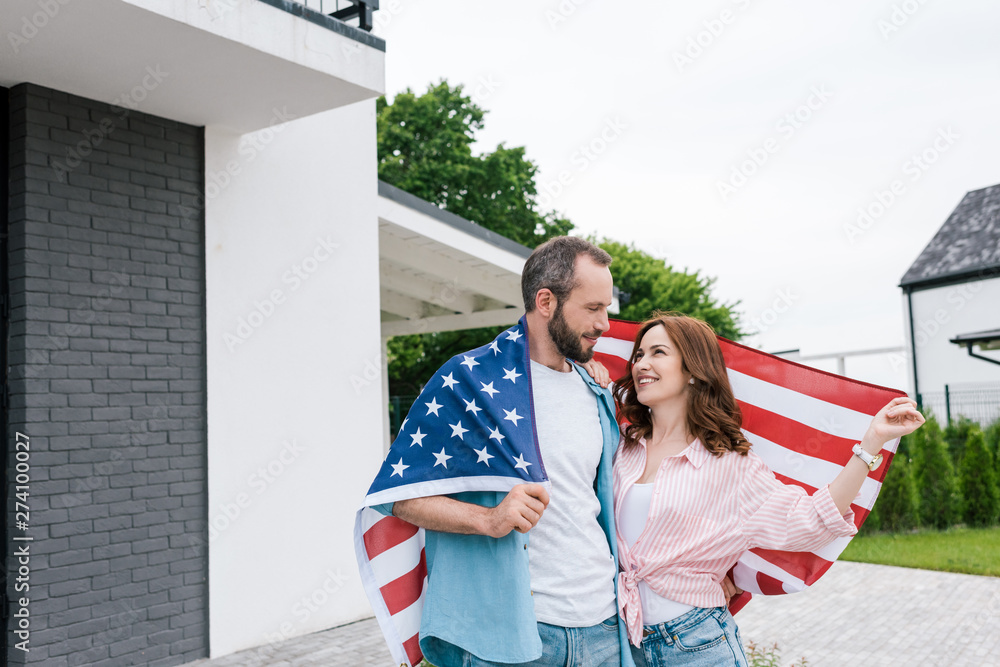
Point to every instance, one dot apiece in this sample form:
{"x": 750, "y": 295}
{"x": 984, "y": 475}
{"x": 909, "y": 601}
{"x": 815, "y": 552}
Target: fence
{"x": 980, "y": 403}
{"x": 398, "y": 407}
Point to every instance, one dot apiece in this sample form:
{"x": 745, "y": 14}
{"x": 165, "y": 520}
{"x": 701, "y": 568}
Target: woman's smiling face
{"x": 658, "y": 370}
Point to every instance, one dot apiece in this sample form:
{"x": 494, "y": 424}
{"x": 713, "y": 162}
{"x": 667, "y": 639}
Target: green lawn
{"x": 972, "y": 551}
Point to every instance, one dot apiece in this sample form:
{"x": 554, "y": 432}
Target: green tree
{"x": 425, "y": 147}
{"x": 897, "y": 506}
{"x": 935, "y": 477}
{"x": 651, "y": 284}
{"x": 978, "y": 482}
{"x": 956, "y": 434}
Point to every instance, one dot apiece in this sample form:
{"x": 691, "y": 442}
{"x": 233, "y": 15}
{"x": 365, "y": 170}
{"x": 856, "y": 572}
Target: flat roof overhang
{"x": 440, "y": 272}
{"x": 986, "y": 340}
{"x": 240, "y": 64}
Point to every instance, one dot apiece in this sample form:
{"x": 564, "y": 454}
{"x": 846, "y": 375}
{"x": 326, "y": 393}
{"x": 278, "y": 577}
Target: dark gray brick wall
{"x": 107, "y": 376}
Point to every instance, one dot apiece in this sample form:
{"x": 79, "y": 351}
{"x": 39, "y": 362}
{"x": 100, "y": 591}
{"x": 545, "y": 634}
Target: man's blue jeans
{"x": 699, "y": 638}
{"x": 596, "y": 646}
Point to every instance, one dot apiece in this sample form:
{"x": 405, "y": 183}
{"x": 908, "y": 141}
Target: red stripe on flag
{"x": 802, "y": 565}
{"x": 860, "y": 513}
{"x": 769, "y": 585}
{"x": 829, "y": 387}
{"x": 412, "y": 648}
{"x": 386, "y": 534}
{"x": 400, "y": 593}
{"x": 738, "y": 601}
{"x": 794, "y": 435}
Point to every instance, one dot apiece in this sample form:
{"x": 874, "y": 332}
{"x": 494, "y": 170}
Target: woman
{"x": 690, "y": 496}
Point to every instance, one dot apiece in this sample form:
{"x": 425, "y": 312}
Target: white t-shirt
{"x": 656, "y": 609}
{"x": 572, "y": 569}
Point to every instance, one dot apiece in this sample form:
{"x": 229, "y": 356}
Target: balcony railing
{"x": 345, "y": 10}
{"x": 335, "y": 15}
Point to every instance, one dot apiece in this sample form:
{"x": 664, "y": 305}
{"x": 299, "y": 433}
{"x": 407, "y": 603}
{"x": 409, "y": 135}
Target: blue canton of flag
{"x": 471, "y": 428}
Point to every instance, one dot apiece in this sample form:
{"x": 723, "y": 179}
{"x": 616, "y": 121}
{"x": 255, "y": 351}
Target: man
{"x": 496, "y": 592}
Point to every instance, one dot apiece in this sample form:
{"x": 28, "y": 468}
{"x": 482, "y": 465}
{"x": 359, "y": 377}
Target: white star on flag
{"x": 514, "y": 334}
{"x": 488, "y": 388}
{"x": 469, "y": 361}
{"x": 398, "y": 468}
{"x": 496, "y": 434}
{"x": 470, "y": 406}
{"x": 441, "y": 457}
{"x": 511, "y": 415}
{"x": 449, "y": 381}
{"x": 511, "y": 374}
{"x": 433, "y": 406}
{"x": 456, "y": 429}
{"x": 418, "y": 438}
{"x": 521, "y": 463}
{"x": 495, "y": 348}
{"x": 484, "y": 456}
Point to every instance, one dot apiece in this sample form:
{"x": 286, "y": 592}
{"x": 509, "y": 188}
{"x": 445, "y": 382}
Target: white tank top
{"x": 634, "y": 512}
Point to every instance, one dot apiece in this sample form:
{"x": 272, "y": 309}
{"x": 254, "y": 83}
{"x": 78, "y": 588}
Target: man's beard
{"x": 568, "y": 341}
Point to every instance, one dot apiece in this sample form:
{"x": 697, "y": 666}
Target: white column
{"x": 294, "y": 424}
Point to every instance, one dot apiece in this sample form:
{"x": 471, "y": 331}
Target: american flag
{"x": 476, "y": 417}
{"x": 471, "y": 429}
{"x": 803, "y": 423}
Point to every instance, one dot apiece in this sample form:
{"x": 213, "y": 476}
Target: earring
{"x": 691, "y": 381}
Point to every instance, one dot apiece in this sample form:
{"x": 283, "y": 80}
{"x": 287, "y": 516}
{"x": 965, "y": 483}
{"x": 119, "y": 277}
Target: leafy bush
{"x": 991, "y": 435}
{"x": 897, "y": 507}
{"x": 935, "y": 477}
{"x": 956, "y": 434}
{"x": 978, "y": 483}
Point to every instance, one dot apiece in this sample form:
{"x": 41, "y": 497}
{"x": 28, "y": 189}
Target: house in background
{"x": 951, "y": 297}
{"x": 199, "y": 272}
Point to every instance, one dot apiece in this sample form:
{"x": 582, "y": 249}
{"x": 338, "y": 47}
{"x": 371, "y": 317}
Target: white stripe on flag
{"x": 397, "y": 561}
{"x": 820, "y": 415}
{"x": 369, "y": 518}
{"x": 745, "y": 578}
{"x": 407, "y": 621}
{"x": 789, "y": 583}
{"x": 616, "y": 347}
{"x": 833, "y": 550}
{"x": 807, "y": 469}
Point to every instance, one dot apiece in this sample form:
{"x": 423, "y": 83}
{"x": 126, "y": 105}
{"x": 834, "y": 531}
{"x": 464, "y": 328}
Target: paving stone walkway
{"x": 857, "y": 614}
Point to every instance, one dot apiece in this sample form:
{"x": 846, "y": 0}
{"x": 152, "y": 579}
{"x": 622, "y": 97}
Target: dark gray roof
{"x": 966, "y": 247}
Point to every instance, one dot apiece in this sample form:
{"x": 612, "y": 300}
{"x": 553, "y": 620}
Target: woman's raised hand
{"x": 900, "y": 417}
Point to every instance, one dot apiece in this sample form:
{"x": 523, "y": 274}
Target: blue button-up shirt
{"x": 479, "y": 588}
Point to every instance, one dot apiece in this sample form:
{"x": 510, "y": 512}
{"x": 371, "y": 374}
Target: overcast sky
{"x": 738, "y": 138}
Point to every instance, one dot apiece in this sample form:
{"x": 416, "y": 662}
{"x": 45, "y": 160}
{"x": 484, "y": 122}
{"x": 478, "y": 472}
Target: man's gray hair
{"x": 551, "y": 267}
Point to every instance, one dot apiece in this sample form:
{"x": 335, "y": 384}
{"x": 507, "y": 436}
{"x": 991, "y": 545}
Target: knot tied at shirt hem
{"x": 629, "y": 606}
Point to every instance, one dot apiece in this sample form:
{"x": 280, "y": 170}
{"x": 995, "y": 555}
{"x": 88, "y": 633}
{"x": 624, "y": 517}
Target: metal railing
{"x": 980, "y": 403}
{"x": 345, "y": 10}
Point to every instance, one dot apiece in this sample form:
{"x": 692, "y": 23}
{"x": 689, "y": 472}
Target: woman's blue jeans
{"x": 699, "y": 638}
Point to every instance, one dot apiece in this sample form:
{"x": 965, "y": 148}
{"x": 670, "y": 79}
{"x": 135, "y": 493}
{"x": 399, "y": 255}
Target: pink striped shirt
{"x": 705, "y": 512}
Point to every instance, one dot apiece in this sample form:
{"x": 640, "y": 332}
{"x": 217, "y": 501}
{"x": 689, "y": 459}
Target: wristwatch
{"x": 872, "y": 462}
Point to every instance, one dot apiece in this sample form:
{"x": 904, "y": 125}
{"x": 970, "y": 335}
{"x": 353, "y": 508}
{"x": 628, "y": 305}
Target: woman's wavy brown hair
{"x": 713, "y": 415}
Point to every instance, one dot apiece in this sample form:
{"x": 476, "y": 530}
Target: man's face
{"x": 579, "y": 321}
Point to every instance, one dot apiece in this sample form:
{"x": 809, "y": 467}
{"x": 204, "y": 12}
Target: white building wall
{"x": 940, "y": 314}
{"x": 294, "y": 388}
